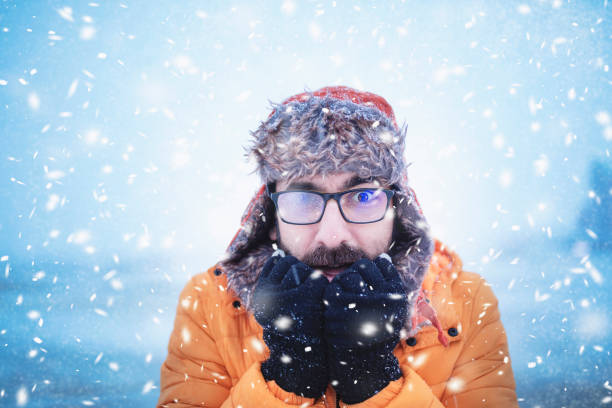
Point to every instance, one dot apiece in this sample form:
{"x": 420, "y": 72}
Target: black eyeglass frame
{"x": 336, "y": 196}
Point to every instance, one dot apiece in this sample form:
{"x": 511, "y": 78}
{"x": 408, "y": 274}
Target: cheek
{"x": 374, "y": 237}
{"x": 296, "y": 238}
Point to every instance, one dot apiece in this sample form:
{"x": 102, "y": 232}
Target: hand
{"x": 288, "y": 304}
{"x": 366, "y": 307}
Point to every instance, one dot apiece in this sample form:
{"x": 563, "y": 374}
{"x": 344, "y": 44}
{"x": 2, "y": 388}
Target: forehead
{"x": 325, "y": 183}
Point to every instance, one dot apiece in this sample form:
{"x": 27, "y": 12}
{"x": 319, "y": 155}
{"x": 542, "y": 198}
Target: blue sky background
{"x": 122, "y": 170}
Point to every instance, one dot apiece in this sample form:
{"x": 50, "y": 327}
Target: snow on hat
{"x": 331, "y": 130}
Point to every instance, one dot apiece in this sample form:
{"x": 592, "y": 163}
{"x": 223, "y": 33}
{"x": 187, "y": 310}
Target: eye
{"x": 363, "y": 196}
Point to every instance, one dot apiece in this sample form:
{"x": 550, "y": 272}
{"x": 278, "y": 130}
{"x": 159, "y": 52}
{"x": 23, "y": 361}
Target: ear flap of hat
{"x": 247, "y": 221}
{"x": 251, "y": 246}
{"x": 413, "y": 245}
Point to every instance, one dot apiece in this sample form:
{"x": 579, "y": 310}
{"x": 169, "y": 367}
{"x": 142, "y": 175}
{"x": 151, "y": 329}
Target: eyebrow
{"x": 356, "y": 180}
{"x": 307, "y": 185}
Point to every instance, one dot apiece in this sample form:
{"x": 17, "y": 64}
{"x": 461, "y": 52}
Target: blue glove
{"x": 366, "y": 307}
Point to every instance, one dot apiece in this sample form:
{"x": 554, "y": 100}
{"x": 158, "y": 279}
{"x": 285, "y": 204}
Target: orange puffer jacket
{"x": 216, "y": 349}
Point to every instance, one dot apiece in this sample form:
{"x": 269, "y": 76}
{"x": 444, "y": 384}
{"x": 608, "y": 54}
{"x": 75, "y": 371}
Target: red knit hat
{"x": 348, "y": 94}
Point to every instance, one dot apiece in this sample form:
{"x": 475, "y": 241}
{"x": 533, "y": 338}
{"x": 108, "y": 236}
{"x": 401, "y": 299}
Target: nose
{"x": 332, "y": 229}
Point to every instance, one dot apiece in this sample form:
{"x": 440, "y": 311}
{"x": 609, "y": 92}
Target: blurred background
{"x": 122, "y": 171}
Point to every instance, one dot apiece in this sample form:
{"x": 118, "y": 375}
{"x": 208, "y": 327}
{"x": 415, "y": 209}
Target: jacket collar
{"x": 434, "y": 311}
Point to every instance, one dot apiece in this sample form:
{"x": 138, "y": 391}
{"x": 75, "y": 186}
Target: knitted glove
{"x": 287, "y": 303}
{"x": 366, "y": 307}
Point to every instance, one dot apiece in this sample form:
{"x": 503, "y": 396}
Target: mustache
{"x": 333, "y": 257}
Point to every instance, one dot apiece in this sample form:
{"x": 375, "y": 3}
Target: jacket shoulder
{"x": 211, "y": 283}
{"x": 446, "y": 269}
{"x": 468, "y": 284}
{"x": 474, "y": 288}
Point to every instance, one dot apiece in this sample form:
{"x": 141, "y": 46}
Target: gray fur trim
{"x": 296, "y": 142}
{"x": 324, "y": 136}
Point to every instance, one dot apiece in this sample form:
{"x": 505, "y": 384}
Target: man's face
{"x": 333, "y": 240}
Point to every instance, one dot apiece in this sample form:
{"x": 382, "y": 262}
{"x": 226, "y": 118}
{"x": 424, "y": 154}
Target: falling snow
{"x": 123, "y": 171}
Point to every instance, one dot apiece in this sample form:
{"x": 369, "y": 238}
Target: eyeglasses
{"x": 358, "y": 206}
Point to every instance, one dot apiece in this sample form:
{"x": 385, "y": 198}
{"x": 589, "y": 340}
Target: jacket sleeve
{"x": 252, "y": 390}
{"x": 409, "y": 391}
{"x": 481, "y": 376}
{"x": 194, "y": 373}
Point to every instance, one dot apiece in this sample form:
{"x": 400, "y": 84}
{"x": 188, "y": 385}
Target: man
{"x": 333, "y": 292}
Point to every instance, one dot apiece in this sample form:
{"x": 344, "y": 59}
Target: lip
{"x": 331, "y": 273}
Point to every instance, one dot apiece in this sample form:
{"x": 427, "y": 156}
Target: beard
{"x": 343, "y": 255}
{"x": 331, "y": 261}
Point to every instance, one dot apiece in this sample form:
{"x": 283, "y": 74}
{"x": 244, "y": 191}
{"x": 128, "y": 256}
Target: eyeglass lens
{"x": 301, "y": 207}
